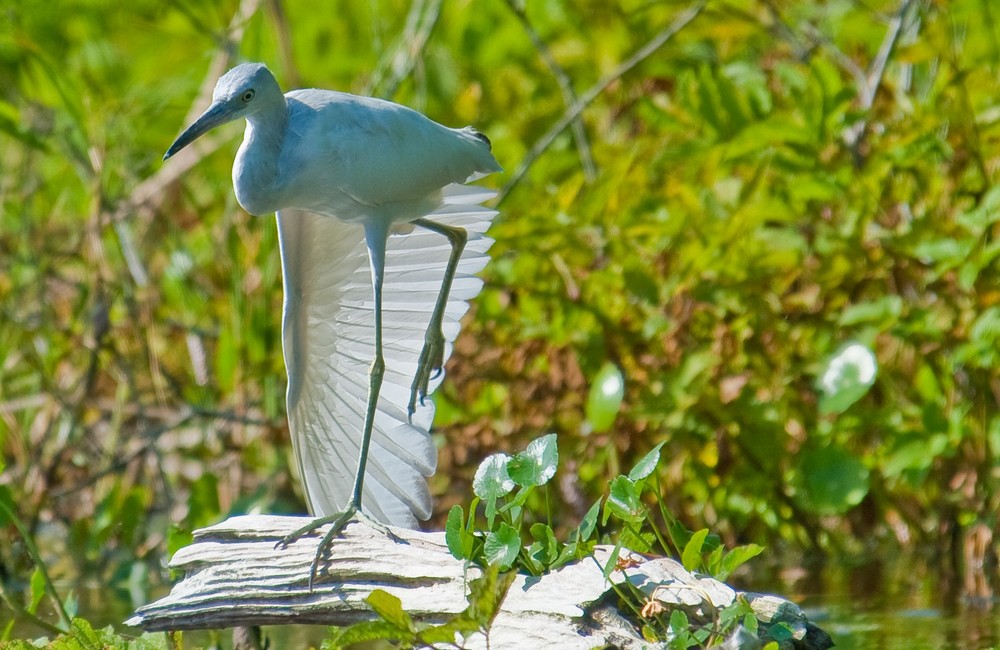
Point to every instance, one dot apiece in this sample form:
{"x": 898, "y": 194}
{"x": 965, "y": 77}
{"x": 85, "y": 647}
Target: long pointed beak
{"x": 217, "y": 114}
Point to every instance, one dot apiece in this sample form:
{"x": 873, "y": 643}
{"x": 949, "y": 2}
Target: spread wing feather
{"x": 328, "y": 336}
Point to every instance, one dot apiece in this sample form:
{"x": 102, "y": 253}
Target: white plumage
{"x": 347, "y": 176}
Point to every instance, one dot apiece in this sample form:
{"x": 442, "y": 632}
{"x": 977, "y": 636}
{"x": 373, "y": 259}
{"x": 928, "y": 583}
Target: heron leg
{"x": 432, "y": 354}
{"x": 376, "y": 235}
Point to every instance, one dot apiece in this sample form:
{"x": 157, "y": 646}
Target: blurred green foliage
{"x": 776, "y": 181}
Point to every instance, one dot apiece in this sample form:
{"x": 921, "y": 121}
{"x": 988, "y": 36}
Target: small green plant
{"x": 697, "y": 550}
{"x": 503, "y": 485}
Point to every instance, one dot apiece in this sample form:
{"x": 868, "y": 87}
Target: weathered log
{"x": 233, "y": 576}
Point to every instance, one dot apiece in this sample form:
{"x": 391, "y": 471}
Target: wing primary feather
{"x": 327, "y": 332}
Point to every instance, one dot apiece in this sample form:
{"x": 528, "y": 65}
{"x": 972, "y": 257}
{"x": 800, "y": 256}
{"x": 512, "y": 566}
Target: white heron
{"x": 380, "y": 238}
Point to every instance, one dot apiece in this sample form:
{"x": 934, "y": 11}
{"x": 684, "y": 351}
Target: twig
{"x": 398, "y": 64}
{"x": 24, "y": 615}
{"x": 36, "y": 558}
{"x": 816, "y": 38}
{"x": 565, "y": 85}
{"x": 873, "y": 80}
{"x": 286, "y": 52}
{"x": 594, "y": 91}
{"x": 151, "y": 436}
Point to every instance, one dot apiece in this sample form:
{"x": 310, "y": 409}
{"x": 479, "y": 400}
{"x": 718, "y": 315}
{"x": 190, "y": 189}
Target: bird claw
{"x": 430, "y": 365}
{"x": 337, "y": 523}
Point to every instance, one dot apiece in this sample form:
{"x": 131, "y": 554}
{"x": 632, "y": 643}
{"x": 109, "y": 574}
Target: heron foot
{"x": 337, "y": 523}
{"x": 428, "y": 367}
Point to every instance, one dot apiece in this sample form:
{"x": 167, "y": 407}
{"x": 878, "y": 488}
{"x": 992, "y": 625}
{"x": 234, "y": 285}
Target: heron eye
{"x": 248, "y": 95}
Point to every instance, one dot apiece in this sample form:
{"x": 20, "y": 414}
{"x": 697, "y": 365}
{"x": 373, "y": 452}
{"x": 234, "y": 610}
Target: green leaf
{"x": 486, "y": 594}
{"x": 390, "y": 609}
{"x": 455, "y": 534}
{"x": 589, "y": 523}
{"x": 679, "y": 622}
{"x": 350, "y": 636}
{"x": 492, "y": 480}
{"x": 691, "y": 556}
{"x": 637, "y": 540}
{"x": 835, "y": 481}
{"x": 203, "y": 502}
{"x": 914, "y": 453}
{"x": 737, "y": 558}
{"x": 536, "y": 464}
{"x": 623, "y": 501}
{"x": 177, "y": 538}
{"x": 612, "y": 563}
{"x": 546, "y": 547}
{"x": 605, "y": 398}
{"x": 37, "y": 589}
{"x": 502, "y": 546}
{"x": 646, "y": 464}
{"x": 885, "y": 310}
{"x": 847, "y": 377}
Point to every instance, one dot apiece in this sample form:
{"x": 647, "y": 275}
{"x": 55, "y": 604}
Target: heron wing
{"x": 328, "y": 336}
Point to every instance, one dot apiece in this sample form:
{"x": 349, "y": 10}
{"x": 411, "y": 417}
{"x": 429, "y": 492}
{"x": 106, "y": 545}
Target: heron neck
{"x": 256, "y": 174}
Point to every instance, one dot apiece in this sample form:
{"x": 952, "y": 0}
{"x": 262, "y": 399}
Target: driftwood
{"x": 234, "y": 576}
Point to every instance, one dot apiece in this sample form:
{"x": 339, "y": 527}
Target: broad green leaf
{"x": 623, "y": 501}
{"x": 350, "y": 636}
{"x": 732, "y": 612}
{"x": 492, "y": 480}
{"x": 638, "y": 540}
{"x": 917, "y": 453}
{"x": 847, "y": 377}
{"x": 679, "y": 622}
{"x": 536, "y": 464}
{"x": 737, "y": 558}
{"x": 945, "y": 251}
{"x": 646, "y": 464}
{"x": 691, "y": 556}
{"x": 548, "y": 546}
{"x": 390, "y": 609}
{"x": 203, "y": 502}
{"x": 502, "y": 546}
{"x": 605, "y": 398}
{"x": 835, "y": 481}
{"x": 885, "y": 310}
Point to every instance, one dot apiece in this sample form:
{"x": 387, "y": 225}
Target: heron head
{"x": 241, "y": 92}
